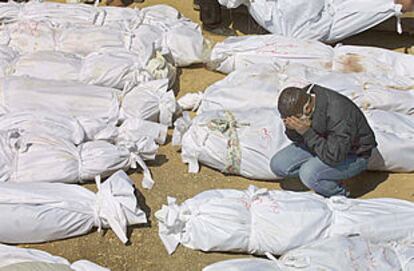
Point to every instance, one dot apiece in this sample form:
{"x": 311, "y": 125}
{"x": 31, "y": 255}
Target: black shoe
{"x": 221, "y": 31}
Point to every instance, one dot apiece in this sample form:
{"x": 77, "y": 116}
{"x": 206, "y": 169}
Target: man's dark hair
{"x": 291, "y": 101}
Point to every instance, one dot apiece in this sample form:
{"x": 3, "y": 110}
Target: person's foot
{"x": 221, "y": 31}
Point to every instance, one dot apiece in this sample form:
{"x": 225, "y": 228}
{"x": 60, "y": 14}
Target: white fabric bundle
{"x": 257, "y": 221}
{"x": 259, "y": 132}
{"x": 240, "y": 52}
{"x": 235, "y": 91}
{"x": 116, "y": 68}
{"x": 60, "y": 126}
{"x": 327, "y": 21}
{"x": 398, "y": 129}
{"x": 254, "y": 221}
{"x": 7, "y": 58}
{"x": 174, "y": 33}
{"x": 96, "y": 108}
{"x": 335, "y": 254}
{"x": 44, "y": 212}
{"x": 27, "y": 36}
{"x": 45, "y": 158}
{"x": 149, "y": 101}
{"x": 57, "y": 13}
{"x": 49, "y": 65}
{"x": 85, "y": 40}
{"x": 23, "y": 257}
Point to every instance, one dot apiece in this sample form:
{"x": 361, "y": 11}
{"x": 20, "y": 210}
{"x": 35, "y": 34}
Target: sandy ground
{"x": 146, "y": 251}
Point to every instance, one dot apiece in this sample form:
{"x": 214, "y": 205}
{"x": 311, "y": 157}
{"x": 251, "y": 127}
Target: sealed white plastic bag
{"x": 13, "y": 257}
{"x": 335, "y": 254}
{"x": 398, "y": 129}
{"x": 27, "y": 36}
{"x": 235, "y": 91}
{"x": 149, "y": 101}
{"x": 327, "y": 21}
{"x": 44, "y": 158}
{"x": 116, "y": 67}
{"x": 96, "y": 108}
{"x": 257, "y": 221}
{"x": 238, "y": 52}
{"x": 180, "y": 37}
{"x": 57, "y": 13}
{"x": 252, "y": 221}
{"x": 45, "y": 212}
{"x": 49, "y": 65}
{"x": 237, "y": 142}
{"x": 85, "y": 40}
{"x": 60, "y": 126}
{"x": 119, "y": 68}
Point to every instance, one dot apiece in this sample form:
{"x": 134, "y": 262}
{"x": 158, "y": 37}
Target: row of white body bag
{"x": 251, "y": 94}
{"x": 108, "y": 67}
{"x": 240, "y": 52}
{"x": 82, "y": 29}
{"x": 311, "y": 232}
{"x": 325, "y": 20}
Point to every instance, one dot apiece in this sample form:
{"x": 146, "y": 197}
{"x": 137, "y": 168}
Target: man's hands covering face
{"x": 299, "y": 125}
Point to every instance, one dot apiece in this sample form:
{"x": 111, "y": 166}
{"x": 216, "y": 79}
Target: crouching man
{"x": 332, "y": 140}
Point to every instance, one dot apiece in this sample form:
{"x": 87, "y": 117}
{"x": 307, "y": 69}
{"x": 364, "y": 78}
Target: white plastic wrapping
{"x": 327, "y": 21}
{"x": 260, "y": 134}
{"x": 253, "y": 221}
{"x": 57, "y": 13}
{"x": 240, "y": 52}
{"x": 45, "y": 212}
{"x": 399, "y": 130}
{"x": 85, "y": 40}
{"x": 83, "y": 30}
{"x": 172, "y": 33}
{"x": 27, "y": 36}
{"x": 57, "y": 125}
{"x": 45, "y": 158}
{"x": 116, "y": 67}
{"x": 336, "y": 254}
{"x": 96, "y": 108}
{"x": 235, "y": 92}
{"x": 257, "y": 221}
{"x": 149, "y": 101}
{"x": 14, "y": 256}
{"x": 49, "y": 65}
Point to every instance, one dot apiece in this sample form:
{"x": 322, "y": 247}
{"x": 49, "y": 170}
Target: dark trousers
{"x": 210, "y": 13}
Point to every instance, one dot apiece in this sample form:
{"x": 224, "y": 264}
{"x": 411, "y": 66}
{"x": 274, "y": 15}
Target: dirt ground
{"x": 146, "y": 251}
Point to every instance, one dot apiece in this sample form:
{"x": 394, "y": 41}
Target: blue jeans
{"x": 294, "y": 160}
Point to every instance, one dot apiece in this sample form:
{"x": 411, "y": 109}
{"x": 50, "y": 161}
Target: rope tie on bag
{"x": 227, "y": 126}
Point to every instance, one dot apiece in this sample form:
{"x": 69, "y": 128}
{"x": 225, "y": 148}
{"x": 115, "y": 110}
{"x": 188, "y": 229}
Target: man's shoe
{"x": 221, "y": 31}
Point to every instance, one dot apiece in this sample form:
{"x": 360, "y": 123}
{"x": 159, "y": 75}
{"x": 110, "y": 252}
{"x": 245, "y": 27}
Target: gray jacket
{"x": 339, "y": 128}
